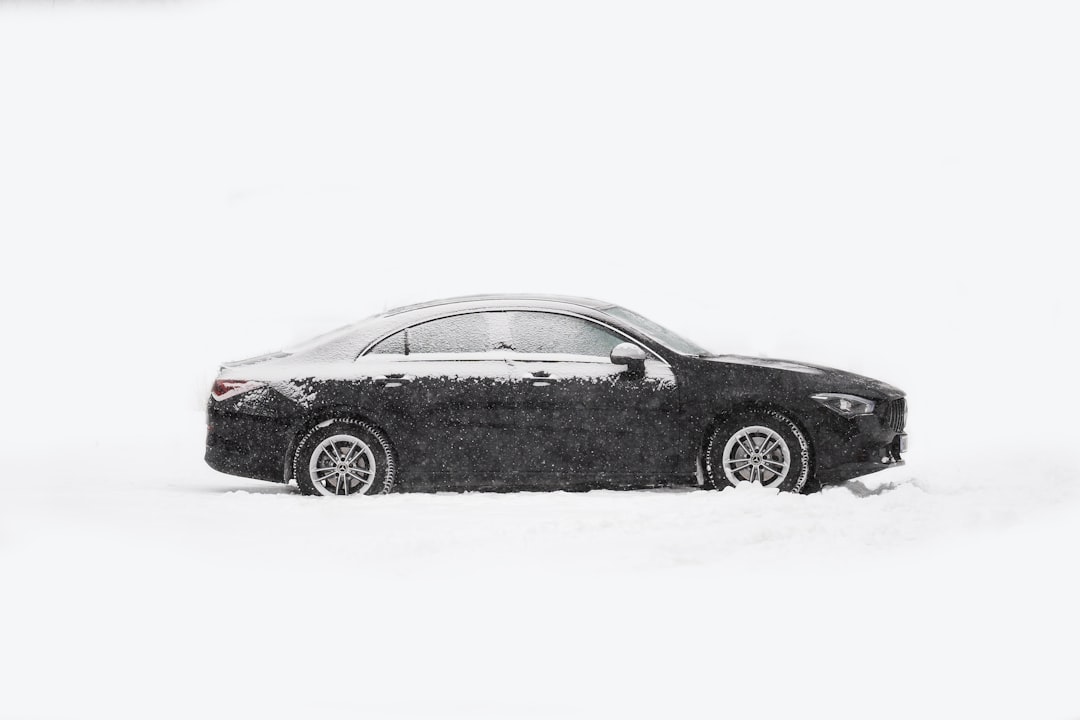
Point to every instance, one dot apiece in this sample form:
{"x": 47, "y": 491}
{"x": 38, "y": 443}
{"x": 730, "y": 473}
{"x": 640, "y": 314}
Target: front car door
{"x": 576, "y": 419}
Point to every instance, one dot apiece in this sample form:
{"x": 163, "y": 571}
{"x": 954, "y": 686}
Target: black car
{"x": 514, "y": 392}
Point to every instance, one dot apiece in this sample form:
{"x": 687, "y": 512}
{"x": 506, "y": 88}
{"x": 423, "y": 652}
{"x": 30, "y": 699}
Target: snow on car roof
{"x": 346, "y": 343}
{"x": 516, "y": 297}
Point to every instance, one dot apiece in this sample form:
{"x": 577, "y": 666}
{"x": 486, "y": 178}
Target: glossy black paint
{"x": 538, "y": 422}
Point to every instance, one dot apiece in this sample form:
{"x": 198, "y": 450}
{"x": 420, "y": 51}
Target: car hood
{"x": 816, "y": 377}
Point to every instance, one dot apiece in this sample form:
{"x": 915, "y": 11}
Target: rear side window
{"x": 393, "y": 345}
{"x": 457, "y": 334}
{"x": 550, "y": 333}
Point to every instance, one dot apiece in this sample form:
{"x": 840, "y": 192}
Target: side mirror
{"x": 631, "y": 356}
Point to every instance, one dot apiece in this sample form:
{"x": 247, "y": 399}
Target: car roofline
{"x": 498, "y": 298}
{"x": 510, "y": 303}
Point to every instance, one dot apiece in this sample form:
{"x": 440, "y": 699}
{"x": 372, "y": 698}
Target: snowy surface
{"x": 888, "y": 190}
{"x": 177, "y": 592}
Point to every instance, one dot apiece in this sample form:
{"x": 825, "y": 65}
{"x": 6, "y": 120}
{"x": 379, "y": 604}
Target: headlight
{"x": 846, "y": 405}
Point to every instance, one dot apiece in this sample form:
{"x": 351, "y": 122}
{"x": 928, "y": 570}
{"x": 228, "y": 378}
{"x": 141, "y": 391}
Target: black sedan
{"x": 512, "y": 392}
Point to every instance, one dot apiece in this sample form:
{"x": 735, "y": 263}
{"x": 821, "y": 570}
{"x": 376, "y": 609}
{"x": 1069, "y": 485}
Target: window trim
{"x": 617, "y": 331}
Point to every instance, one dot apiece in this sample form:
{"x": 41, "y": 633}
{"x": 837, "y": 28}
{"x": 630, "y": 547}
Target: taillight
{"x": 227, "y": 388}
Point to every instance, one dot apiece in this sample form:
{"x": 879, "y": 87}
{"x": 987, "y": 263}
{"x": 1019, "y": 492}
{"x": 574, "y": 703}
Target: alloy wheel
{"x": 342, "y": 465}
{"x": 756, "y": 454}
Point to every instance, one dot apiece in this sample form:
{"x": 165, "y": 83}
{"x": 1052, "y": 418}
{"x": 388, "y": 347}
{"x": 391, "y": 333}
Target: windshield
{"x": 658, "y": 332}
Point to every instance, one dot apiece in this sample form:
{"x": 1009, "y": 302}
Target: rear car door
{"x": 574, "y": 416}
{"x": 444, "y": 387}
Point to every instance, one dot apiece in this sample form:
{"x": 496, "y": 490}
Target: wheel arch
{"x": 318, "y": 417}
{"x": 751, "y": 406}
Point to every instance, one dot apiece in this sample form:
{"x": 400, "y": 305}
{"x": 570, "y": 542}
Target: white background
{"x": 888, "y": 189}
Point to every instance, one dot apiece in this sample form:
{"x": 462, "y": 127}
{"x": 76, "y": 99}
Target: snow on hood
{"x": 824, "y": 378}
{"x": 788, "y": 365}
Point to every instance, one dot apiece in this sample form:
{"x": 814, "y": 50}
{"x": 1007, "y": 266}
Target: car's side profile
{"x": 539, "y": 392}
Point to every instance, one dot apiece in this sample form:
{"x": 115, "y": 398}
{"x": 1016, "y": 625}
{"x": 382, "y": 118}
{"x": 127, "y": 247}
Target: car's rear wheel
{"x": 765, "y": 448}
{"x": 344, "y": 457}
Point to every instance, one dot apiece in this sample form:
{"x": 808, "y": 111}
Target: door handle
{"x": 541, "y": 378}
{"x": 393, "y": 380}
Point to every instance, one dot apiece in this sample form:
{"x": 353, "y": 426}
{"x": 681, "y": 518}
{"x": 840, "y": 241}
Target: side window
{"x": 551, "y": 333}
{"x": 393, "y": 345}
{"x": 456, "y": 334}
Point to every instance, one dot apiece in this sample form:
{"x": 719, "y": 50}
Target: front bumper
{"x": 857, "y": 446}
{"x": 887, "y": 456}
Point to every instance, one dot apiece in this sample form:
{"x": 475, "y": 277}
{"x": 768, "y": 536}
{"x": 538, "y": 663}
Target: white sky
{"x": 890, "y": 190}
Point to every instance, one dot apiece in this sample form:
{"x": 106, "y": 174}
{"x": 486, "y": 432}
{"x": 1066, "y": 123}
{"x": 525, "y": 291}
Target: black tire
{"x": 379, "y": 461}
{"x": 796, "y": 475}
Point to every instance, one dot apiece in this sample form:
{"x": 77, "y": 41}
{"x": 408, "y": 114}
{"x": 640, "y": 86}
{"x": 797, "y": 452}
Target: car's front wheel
{"x": 763, "y": 447}
{"x": 344, "y": 457}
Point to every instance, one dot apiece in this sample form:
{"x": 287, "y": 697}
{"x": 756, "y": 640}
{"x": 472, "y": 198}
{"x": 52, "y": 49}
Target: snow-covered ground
{"x": 887, "y": 190}
{"x": 142, "y": 584}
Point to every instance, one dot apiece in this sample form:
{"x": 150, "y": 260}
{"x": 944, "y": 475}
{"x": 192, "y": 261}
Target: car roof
{"x": 502, "y": 299}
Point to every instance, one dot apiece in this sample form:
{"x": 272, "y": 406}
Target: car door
{"x": 443, "y": 387}
{"x": 574, "y": 416}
